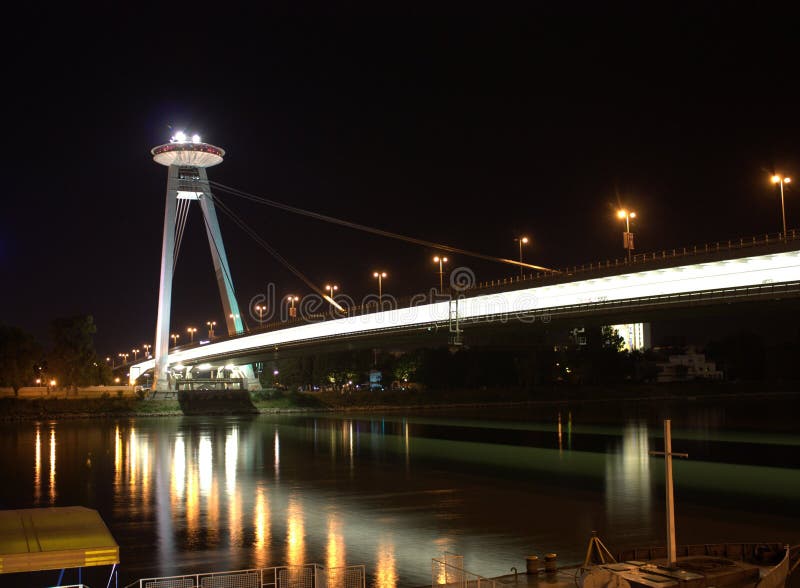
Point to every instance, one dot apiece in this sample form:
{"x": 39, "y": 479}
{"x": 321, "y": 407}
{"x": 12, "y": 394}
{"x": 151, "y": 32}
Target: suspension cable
{"x": 180, "y": 226}
{"x": 266, "y": 246}
{"x": 374, "y": 231}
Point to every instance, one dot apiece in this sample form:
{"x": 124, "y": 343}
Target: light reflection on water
{"x": 389, "y": 493}
{"x": 628, "y": 481}
{"x": 52, "y": 479}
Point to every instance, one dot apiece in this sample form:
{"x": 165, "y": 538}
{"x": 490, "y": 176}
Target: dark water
{"x": 392, "y": 491}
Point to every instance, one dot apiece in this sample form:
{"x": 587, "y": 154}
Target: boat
{"x": 717, "y": 565}
{"x": 739, "y": 565}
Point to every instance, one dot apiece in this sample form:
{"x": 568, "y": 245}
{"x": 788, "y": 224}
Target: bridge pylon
{"x": 187, "y": 160}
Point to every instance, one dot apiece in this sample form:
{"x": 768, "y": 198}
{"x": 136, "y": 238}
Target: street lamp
{"x": 522, "y": 241}
{"x": 260, "y": 309}
{"x": 211, "y": 325}
{"x": 191, "y": 331}
{"x": 380, "y": 276}
{"x": 292, "y": 310}
{"x": 331, "y": 289}
{"x": 440, "y": 261}
{"x": 146, "y": 348}
{"x": 777, "y": 179}
{"x": 175, "y": 338}
{"x": 124, "y": 357}
{"x": 135, "y": 353}
{"x": 627, "y": 236}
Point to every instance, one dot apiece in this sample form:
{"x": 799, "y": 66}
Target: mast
{"x": 667, "y": 453}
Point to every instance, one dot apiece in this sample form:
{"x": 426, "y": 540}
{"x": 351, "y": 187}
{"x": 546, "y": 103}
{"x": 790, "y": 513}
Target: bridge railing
{"x": 640, "y": 259}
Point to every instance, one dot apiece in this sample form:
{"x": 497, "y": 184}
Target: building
{"x": 684, "y": 367}
{"x": 635, "y": 335}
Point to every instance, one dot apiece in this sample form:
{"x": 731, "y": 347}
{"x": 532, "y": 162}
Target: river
{"x": 393, "y": 490}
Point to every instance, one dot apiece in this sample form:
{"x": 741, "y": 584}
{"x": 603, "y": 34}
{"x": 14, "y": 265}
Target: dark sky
{"x": 468, "y": 129}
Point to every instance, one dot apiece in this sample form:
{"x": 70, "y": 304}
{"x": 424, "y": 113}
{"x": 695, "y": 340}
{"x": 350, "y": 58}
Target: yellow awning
{"x": 36, "y": 539}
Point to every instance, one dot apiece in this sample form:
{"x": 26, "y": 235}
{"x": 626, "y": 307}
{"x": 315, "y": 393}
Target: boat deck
{"x": 692, "y": 572}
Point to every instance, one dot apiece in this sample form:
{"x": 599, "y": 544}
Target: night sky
{"x": 467, "y": 129}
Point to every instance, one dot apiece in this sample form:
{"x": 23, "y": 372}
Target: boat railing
{"x": 759, "y": 552}
{"x": 448, "y": 572}
{"x": 305, "y": 576}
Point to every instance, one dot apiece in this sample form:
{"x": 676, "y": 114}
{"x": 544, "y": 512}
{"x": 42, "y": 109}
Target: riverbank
{"x": 277, "y": 402}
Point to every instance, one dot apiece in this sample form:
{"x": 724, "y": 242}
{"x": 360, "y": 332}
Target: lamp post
{"x": 191, "y": 331}
{"x": 627, "y": 236}
{"x": 380, "y": 276}
{"x": 260, "y": 308}
{"x": 135, "y": 353}
{"x": 292, "y": 310}
{"x": 440, "y": 261}
{"x": 211, "y": 325}
{"x": 124, "y": 357}
{"x": 233, "y": 318}
{"x": 522, "y": 241}
{"x": 778, "y": 179}
{"x": 331, "y": 289}
{"x": 175, "y": 338}
{"x": 146, "y": 347}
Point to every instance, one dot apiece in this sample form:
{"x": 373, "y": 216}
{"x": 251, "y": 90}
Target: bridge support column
{"x": 160, "y": 380}
{"x": 190, "y": 183}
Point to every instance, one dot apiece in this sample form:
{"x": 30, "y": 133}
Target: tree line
{"x": 69, "y": 359}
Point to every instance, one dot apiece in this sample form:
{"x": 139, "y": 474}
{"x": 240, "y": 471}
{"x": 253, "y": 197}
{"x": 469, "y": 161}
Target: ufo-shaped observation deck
{"x": 188, "y": 154}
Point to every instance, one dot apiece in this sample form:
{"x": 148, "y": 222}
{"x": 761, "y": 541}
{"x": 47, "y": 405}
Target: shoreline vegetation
{"x": 272, "y": 401}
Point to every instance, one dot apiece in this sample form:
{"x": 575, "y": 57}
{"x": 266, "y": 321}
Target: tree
{"x": 19, "y": 353}
{"x": 73, "y": 358}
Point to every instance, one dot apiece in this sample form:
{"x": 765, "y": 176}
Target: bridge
{"x": 736, "y": 271}
{"x": 745, "y": 273}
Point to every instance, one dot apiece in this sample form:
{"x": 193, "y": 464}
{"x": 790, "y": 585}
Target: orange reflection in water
{"x": 560, "y": 444}
{"x": 52, "y": 495}
{"x": 295, "y": 533}
{"x": 231, "y": 459}
{"x": 212, "y": 519}
{"x": 277, "y": 455}
{"x": 133, "y": 458}
{"x": 37, "y": 468}
{"x": 261, "y": 524}
{"x": 444, "y": 546}
{"x": 235, "y": 519}
{"x": 117, "y": 457}
{"x": 178, "y": 478}
{"x": 335, "y": 556}
{"x": 385, "y": 568}
{"x": 192, "y": 502}
{"x": 144, "y": 493}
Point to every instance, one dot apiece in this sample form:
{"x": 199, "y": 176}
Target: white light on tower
{"x": 195, "y": 138}
{"x": 179, "y": 137}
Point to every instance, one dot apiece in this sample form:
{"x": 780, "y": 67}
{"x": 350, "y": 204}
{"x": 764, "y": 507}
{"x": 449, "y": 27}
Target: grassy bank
{"x": 269, "y": 401}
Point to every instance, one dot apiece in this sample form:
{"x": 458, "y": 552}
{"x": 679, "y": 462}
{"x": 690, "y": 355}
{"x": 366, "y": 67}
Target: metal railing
{"x": 448, "y": 571}
{"x": 639, "y": 259}
{"x": 305, "y": 576}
